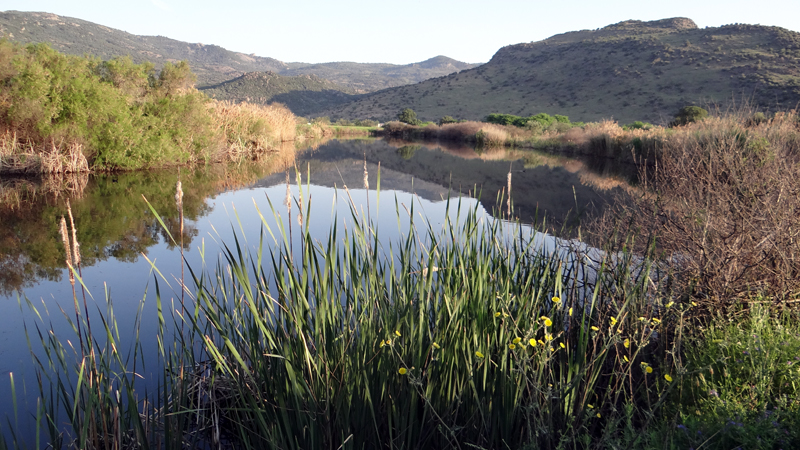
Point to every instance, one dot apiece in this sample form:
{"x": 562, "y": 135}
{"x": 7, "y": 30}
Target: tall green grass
{"x": 475, "y": 335}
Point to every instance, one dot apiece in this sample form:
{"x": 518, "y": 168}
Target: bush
{"x": 408, "y": 116}
{"x": 689, "y": 114}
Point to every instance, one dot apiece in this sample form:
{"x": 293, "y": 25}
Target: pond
{"x": 120, "y": 237}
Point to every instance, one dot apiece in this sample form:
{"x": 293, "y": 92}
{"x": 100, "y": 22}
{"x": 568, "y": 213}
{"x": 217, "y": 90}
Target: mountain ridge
{"x": 631, "y": 70}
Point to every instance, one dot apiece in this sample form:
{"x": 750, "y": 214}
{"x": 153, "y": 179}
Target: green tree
{"x": 408, "y": 116}
{"x": 447, "y": 119}
{"x": 689, "y": 114}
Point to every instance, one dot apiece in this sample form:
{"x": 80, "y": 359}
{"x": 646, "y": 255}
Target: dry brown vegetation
{"x": 480, "y": 133}
{"x": 723, "y": 200}
{"x": 252, "y": 130}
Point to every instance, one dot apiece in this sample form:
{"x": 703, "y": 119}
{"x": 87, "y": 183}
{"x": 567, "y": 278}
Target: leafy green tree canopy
{"x": 408, "y": 116}
{"x": 689, "y": 114}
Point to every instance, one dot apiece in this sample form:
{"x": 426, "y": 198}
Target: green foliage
{"x": 447, "y": 119}
{"x": 122, "y": 114}
{"x": 689, "y": 114}
{"x": 408, "y": 116}
{"x": 638, "y": 125}
{"x": 744, "y": 389}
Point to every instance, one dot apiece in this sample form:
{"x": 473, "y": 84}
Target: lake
{"x": 120, "y": 236}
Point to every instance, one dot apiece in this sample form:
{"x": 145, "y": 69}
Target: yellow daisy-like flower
{"x": 642, "y": 319}
{"x": 397, "y": 333}
{"x": 547, "y": 321}
{"x": 669, "y": 305}
{"x": 627, "y": 343}
{"x": 382, "y": 343}
{"x": 512, "y": 346}
{"x": 656, "y": 321}
{"x": 479, "y": 354}
{"x": 497, "y": 314}
{"x": 590, "y": 406}
{"x": 598, "y": 415}
{"x": 570, "y": 311}
{"x": 540, "y": 341}
{"x": 613, "y": 321}
{"x": 562, "y": 345}
{"x": 694, "y": 304}
{"x": 668, "y": 378}
{"x": 402, "y": 371}
{"x": 594, "y": 328}
{"x": 625, "y": 358}
{"x": 648, "y": 369}
{"x": 532, "y": 342}
{"x": 436, "y": 346}
{"x": 388, "y": 342}
{"x": 517, "y": 340}
{"x": 548, "y": 337}
{"x": 556, "y": 300}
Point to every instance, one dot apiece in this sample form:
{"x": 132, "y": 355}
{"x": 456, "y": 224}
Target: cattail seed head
{"x": 366, "y": 176}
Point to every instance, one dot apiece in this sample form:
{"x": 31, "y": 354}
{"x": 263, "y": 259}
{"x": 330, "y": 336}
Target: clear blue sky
{"x": 399, "y": 32}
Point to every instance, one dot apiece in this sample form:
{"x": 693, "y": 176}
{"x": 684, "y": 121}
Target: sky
{"x": 399, "y": 32}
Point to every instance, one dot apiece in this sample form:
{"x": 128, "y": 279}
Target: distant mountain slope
{"x": 212, "y": 64}
{"x": 303, "y": 94}
{"x": 629, "y": 71}
{"x": 372, "y": 77}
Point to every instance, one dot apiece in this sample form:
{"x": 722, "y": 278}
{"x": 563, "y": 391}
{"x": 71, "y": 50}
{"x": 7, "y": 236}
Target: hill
{"x": 212, "y": 64}
{"x": 303, "y": 94}
{"x": 372, "y": 77}
{"x": 631, "y": 70}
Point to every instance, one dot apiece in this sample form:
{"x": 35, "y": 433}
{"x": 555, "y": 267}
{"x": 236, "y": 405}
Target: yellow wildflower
{"x": 516, "y": 340}
{"x": 562, "y": 345}
{"x": 591, "y": 406}
{"x": 388, "y": 342}
{"x": 648, "y": 369}
{"x": 512, "y": 346}
{"x": 540, "y": 341}
{"x": 669, "y": 305}
{"x": 402, "y": 371}
{"x": 436, "y": 346}
{"x": 656, "y": 321}
{"x": 382, "y": 343}
{"x": 547, "y": 321}
{"x": 625, "y": 358}
{"x": 497, "y": 314}
{"x": 570, "y": 311}
{"x": 613, "y": 321}
{"x": 627, "y": 343}
{"x": 397, "y": 333}
{"x": 668, "y": 378}
{"x": 548, "y": 337}
{"x": 556, "y": 300}
{"x": 532, "y": 342}
{"x": 479, "y": 354}
{"x": 598, "y": 415}
{"x": 594, "y": 328}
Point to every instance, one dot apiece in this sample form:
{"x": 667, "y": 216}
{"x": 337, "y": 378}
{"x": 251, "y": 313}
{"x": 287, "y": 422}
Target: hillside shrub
{"x": 689, "y": 114}
{"x": 408, "y": 116}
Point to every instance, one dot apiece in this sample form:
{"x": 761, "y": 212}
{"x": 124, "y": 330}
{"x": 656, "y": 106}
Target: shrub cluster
{"x": 104, "y": 115}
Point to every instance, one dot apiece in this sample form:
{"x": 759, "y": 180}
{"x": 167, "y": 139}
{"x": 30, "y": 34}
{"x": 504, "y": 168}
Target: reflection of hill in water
{"x": 557, "y": 192}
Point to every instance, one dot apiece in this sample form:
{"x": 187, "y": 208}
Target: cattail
{"x": 179, "y": 195}
{"x": 65, "y": 239}
{"x": 300, "y": 200}
{"x": 366, "y": 176}
{"x": 288, "y": 200}
{"x": 76, "y": 253}
{"x": 508, "y": 201}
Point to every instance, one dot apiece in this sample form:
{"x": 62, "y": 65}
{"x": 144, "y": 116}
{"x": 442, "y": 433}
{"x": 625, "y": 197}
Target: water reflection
{"x": 114, "y": 222}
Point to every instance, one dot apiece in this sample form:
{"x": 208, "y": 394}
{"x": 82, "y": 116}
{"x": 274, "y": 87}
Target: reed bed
{"x": 478, "y": 133}
{"x": 252, "y": 130}
{"x": 472, "y": 335}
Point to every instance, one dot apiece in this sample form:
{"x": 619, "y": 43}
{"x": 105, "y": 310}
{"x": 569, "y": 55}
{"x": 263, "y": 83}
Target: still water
{"x": 120, "y": 237}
